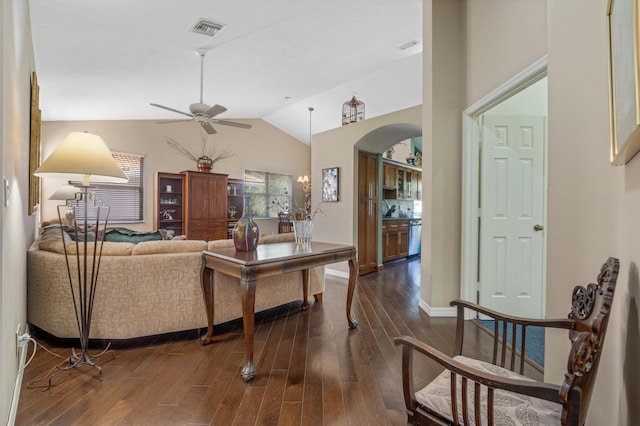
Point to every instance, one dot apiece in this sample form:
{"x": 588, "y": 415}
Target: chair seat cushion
{"x": 509, "y": 408}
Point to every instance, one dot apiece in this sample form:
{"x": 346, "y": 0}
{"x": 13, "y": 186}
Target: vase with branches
{"x": 205, "y": 158}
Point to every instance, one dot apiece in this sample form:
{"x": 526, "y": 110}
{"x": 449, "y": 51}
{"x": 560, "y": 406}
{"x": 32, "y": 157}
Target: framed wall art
{"x": 34, "y": 145}
{"x": 331, "y": 184}
{"x": 624, "y": 88}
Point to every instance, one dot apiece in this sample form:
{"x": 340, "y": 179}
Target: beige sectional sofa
{"x": 145, "y": 289}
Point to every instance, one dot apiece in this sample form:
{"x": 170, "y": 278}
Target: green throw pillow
{"x": 125, "y": 235}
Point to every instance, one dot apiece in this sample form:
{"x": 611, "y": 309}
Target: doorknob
{"x": 538, "y": 227}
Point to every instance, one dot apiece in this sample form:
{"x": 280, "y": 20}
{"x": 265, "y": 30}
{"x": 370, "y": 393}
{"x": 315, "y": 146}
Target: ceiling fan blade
{"x": 232, "y": 123}
{"x": 171, "y": 109}
{"x": 208, "y": 128}
{"x": 173, "y": 121}
{"x": 214, "y": 110}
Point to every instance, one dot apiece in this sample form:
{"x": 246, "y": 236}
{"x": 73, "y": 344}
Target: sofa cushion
{"x": 54, "y": 233}
{"x": 217, "y": 244}
{"x": 169, "y": 246}
{"x": 509, "y": 408}
{"x": 108, "y": 248}
{"x": 278, "y": 238}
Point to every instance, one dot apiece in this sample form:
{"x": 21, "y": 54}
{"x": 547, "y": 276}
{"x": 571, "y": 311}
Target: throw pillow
{"x": 130, "y": 236}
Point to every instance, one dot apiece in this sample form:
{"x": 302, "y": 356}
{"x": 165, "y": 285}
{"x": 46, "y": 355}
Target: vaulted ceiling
{"x": 272, "y": 60}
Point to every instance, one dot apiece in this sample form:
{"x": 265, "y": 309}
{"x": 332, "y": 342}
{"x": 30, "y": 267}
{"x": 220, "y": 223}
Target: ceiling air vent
{"x": 206, "y": 27}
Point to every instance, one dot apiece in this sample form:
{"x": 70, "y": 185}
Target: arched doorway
{"x": 368, "y": 179}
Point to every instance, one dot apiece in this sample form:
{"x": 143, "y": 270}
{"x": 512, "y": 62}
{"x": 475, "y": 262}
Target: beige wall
{"x": 493, "y": 58}
{"x": 263, "y": 148}
{"x": 443, "y": 95}
{"x": 17, "y": 228}
{"x": 336, "y": 148}
{"x": 592, "y": 206}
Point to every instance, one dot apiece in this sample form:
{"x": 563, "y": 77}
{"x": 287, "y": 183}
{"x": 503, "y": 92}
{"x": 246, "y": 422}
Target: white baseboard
{"x": 336, "y": 273}
{"x": 23, "y": 347}
{"x": 438, "y": 312}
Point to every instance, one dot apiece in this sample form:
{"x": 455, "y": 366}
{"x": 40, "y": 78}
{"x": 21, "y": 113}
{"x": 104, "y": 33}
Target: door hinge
{"x": 477, "y": 285}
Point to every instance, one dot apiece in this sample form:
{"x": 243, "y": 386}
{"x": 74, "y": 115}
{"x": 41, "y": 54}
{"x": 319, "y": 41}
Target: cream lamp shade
{"x": 82, "y": 157}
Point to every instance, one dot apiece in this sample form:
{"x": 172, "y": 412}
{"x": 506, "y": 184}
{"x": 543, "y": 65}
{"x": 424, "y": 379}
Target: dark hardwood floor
{"x": 311, "y": 368}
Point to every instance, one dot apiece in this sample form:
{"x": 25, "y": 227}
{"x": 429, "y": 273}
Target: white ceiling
{"x": 107, "y": 60}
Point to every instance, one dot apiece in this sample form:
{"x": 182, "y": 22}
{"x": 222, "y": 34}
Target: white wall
{"x": 17, "y": 230}
{"x": 262, "y": 148}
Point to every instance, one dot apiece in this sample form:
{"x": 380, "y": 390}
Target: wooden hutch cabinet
{"x": 205, "y": 206}
{"x": 194, "y": 204}
{"x": 168, "y": 209}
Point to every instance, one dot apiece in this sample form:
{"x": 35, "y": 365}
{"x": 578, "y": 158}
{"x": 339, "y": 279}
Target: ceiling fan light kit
{"x": 201, "y": 112}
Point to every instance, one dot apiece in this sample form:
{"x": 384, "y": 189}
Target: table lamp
{"x": 64, "y": 193}
{"x": 83, "y": 157}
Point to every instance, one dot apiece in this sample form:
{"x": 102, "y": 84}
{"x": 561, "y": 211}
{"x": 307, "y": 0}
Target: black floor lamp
{"x": 83, "y": 157}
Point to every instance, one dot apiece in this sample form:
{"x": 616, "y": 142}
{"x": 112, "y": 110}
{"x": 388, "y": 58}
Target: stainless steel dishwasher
{"x": 415, "y": 231}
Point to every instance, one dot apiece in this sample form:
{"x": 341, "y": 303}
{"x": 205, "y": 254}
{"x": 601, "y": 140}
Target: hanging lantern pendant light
{"x": 352, "y": 111}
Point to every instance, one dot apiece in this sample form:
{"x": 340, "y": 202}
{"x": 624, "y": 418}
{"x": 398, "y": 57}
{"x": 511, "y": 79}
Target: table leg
{"x": 207, "y": 293}
{"x": 248, "y": 288}
{"x": 305, "y": 289}
{"x": 353, "y": 274}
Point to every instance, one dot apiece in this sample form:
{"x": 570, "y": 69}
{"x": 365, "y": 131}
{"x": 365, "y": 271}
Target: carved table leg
{"x": 207, "y": 293}
{"x": 248, "y": 288}
{"x": 353, "y": 275}
{"x": 305, "y": 289}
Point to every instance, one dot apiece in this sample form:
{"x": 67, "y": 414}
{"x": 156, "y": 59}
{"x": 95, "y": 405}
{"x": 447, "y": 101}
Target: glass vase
{"x": 303, "y": 230}
{"x": 245, "y": 231}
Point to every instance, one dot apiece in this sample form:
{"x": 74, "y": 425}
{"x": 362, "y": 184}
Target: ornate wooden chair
{"x": 495, "y": 393}
{"x": 284, "y": 223}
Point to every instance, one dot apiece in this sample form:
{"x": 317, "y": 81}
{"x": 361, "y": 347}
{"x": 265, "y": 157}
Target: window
{"x": 124, "y": 199}
{"x": 270, "y": 193}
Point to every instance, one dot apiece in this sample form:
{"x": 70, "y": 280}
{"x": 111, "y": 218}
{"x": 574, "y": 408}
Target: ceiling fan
{"x": 201, "y": 112}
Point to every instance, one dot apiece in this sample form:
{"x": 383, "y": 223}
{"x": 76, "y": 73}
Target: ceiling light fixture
{"x": 206, "y": 27}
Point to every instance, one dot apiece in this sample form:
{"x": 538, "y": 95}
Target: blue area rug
{"x": 534, "y": 341}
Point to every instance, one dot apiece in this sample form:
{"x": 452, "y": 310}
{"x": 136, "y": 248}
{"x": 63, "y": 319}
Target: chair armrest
{"x": 546, "y": 391}
{"x": 564, "y": 323}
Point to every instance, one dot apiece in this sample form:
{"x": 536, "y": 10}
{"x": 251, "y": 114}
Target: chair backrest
{"x": 284, "y": 223}
{"x": 590, "y": 309}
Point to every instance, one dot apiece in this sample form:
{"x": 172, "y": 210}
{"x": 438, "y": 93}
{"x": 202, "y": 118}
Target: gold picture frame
{"x": 624, "y": 84}
{"x": 34, "y": 145}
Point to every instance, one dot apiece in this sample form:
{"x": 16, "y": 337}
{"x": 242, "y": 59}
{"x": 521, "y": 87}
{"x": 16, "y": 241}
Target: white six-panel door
{"x": 512, "y": 215}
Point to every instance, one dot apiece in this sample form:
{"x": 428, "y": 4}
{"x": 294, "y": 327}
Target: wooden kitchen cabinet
{"x": 389, "y": 181}
{"x": 417, "y": 186}
{"x": 395, "y": 239}
{"x": 205, "y": 206}
{"x": 401, "y": 182}
{"x": 367, "y": 213}
{"x": 389, "y": 176}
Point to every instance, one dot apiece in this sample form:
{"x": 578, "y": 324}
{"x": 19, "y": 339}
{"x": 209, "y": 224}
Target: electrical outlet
{"x": 18, "y": 333}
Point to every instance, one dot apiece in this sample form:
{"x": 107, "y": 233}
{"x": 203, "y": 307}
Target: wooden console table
{"x": 270, "y": 260}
